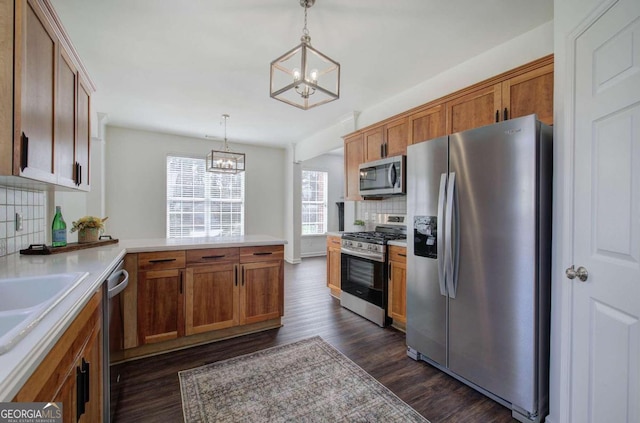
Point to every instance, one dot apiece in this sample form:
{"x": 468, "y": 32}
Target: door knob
{"x": 581, "y": 273}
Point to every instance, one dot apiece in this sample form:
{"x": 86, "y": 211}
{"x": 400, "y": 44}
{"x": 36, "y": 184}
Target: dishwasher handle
{"x": 119, "y": 287}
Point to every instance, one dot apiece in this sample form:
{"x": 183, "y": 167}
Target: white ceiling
{"x": 176, "y": 66}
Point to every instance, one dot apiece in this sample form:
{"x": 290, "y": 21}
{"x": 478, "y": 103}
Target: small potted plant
{"x": 359, "y": 224}
{"x": 89, "y": 228}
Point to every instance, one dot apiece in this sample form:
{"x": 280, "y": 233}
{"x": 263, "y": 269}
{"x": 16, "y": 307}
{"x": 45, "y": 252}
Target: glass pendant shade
{"x": 225, "y": 162}
{"x": 303, "y": 77}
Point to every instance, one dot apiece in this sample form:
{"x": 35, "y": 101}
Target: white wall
{"x": 293, "y": 207}
{"x": 135, "y": 176}
{"x": 518, "y": 51}
{"x": 568, "y": 14}
{"x": 334, "y": 166}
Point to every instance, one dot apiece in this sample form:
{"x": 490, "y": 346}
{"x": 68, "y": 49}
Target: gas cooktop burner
{"x": 373, "y": 237}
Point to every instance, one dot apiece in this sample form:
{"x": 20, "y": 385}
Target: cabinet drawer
{"x": 265, "y": 253}
{"x": 213, "y": 255}
{"x": 334, "y": 241}
{"x": 397, "y": 253}
{"x": 161, "y": 260}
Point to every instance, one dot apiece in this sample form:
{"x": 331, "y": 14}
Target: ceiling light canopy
{"x": 225, "y": 161}
{"x": 303, "y": 77}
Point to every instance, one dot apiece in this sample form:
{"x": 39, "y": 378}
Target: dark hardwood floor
{"x": 151, "y": 391}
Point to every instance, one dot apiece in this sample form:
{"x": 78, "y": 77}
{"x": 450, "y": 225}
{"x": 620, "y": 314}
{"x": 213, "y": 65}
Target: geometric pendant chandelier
{"x": 303, "y": 77}
{"x": 225, "y": 161}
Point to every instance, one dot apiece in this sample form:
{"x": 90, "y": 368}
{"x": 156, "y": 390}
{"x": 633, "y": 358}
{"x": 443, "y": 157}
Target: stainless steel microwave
{"x": 383, "y": 178}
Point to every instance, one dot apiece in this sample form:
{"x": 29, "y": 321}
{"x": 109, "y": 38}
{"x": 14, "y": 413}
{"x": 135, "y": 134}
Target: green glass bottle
{"x": 58, "y": 230}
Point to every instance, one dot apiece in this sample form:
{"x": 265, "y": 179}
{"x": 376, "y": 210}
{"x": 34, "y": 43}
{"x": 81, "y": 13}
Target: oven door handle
{"x": 368, "y": 256}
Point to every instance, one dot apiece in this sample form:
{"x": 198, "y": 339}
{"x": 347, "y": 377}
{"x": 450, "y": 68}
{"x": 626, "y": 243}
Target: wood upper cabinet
{"x": 531, "y": 92}
{"x": 386, "y": 141}
{"x": 212, "y": 297}
{"x": 160, "y": 305}
{"x": 353, "y": 157}
{"x": 48, "y": 102}
{"x": 334, "y": 265}
{"x": 397, "y": 300}
{"x": 373, "y": 144}
{"x": 478, "y": 108}
{"x": 427, "y": 124}
{"x": 34, "y": 95}
{"x": 72, "y": 369}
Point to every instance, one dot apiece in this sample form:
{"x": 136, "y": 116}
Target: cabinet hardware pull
{"x": 381, "y": 150}
{"x": 506, "y": 114}
{"x": 268, "y": 253}
{"x": 24, "y": 152}
{"x": 181, "y": 274}
{"x": 244, "y": 274}
{"x": 165, "y": 260}
{"x": 402, "y": 255}
{"x": 79, "y": 393}
{"x": 212, "y": 257}
{"x": 87, "y": 381}
{"x": 79, "y": 174}
{"x": 389, "y": 271}
{"x": 235, "y": 268}
{"x": 385, "y": 149}
{"x": 497, "y": 115}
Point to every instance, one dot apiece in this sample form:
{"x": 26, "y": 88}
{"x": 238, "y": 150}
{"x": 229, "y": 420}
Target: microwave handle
{"x": 392, "y": 175}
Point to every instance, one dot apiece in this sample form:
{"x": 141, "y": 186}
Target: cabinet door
{"x": 34, "y": 92}
{"x": 211, "y": 298}
{"x": 65, "y": 141}
{"x": 353, "y": 157}
{"x": 427, "y": 124}
{"x": 396, "y": 137}
{"x": 92, "y": 362}
{"x": 261, "y": 291}
{"x": 529, "y": 93}
{"x": 397, "y": 308}
{"x": 373, "y": 142}
{"x": 333, "y": 265}
{"x": 84, "y": 137}
{"x": 475, "y": 109}
{"x": 160, "y": 306}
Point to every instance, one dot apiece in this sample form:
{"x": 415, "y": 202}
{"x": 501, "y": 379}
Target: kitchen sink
{"x": 24, "y": 302}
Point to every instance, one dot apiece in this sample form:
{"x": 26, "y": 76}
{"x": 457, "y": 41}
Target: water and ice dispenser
{"x": 425, "y": 233}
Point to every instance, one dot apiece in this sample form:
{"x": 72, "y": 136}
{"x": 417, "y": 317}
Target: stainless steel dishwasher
{"x": 113, "y": 337}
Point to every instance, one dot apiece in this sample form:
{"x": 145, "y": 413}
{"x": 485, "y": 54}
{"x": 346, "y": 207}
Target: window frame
{"x": 325, "y": 203}
{"x": 207, "y": 201}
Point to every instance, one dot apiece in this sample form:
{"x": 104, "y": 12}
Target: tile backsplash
{"x": 31, "y": 205}
{"x": 370, "y": 211}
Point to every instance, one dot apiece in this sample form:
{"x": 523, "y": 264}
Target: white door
{"x": 605, "y": 373}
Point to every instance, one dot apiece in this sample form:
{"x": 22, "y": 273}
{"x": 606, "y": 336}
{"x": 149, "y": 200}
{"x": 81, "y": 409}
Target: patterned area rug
{"x": 306, "y": 381}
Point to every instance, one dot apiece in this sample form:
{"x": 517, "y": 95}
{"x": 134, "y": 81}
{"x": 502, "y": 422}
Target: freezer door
{"x": 493, "y": 317}
{"x": 427, "y": 162}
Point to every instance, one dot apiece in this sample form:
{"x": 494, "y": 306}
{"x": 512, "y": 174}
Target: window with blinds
{"x": 314, "y": 202}
{"x": 201, "y": 203}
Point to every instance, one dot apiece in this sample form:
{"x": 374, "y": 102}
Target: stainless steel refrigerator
{"x": 478, "y": 262}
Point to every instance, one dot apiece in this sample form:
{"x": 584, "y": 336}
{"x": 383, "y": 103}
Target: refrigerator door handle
{"x": 440, "y": 239}
{"x": 450, "y": 234}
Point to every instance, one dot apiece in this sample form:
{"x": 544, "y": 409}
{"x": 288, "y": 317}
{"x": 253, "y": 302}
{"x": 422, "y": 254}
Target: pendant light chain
{"x": 305, "y": 31}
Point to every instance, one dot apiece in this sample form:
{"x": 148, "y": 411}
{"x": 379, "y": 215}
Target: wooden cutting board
{"x": 43, "y": 250}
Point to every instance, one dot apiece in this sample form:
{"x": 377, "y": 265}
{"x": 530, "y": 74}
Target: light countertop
{"x": 398, "y": 242}
{"x": 17, "y": 364}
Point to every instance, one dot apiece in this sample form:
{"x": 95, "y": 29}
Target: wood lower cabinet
{"x": 261, "y": 291}
{"x": 72, "y": 371}
{"x": 334, "y": 263}
{"x": 397, "y": 300}
{"x": 212, "y": 297}
{"x": 160, "y": 310}
{"x": 180, "y": 298}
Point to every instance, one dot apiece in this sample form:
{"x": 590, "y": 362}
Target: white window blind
{"x": 201, "y": 203}
{"x": 314, "y": 202}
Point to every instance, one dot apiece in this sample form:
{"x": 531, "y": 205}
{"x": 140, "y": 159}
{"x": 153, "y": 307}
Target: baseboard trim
{"x": 316, "y": 254}
{"x": 293, "y": 261}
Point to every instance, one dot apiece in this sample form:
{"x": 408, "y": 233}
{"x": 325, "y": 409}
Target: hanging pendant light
{"x": 303, "y": 77}
{"x": 225, "y": 161}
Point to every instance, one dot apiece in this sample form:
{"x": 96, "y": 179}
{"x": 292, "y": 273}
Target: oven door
{"x": 364, "y": 278}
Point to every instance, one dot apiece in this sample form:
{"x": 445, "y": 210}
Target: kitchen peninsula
{"x": 249, "y": 269}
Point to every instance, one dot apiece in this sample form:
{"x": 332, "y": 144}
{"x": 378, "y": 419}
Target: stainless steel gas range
{"x": 364, "y": 278}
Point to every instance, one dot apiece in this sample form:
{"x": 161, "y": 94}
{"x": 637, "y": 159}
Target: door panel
{"x": 605, "y": 366}
{"x": 260, "y": 291}
{"x": 211, "y": 298}
{"x": 426, "y": 306}
{"x": 66, "y": 121}
{"x": 493, "y": 316}
{"x": 474, "y": 110}
{"x": 427, "y": 124}
{"x": 160, "y": 306}
{"x": 530, "y": 93}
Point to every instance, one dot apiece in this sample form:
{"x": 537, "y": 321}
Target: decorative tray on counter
{"x": 43, "y": 250}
